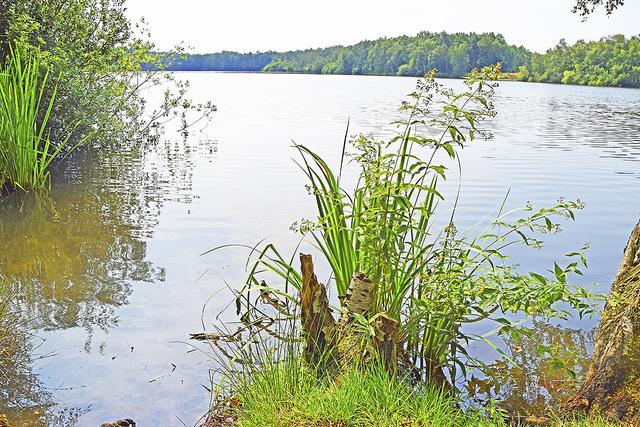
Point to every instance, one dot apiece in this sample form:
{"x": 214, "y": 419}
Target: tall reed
{"x": 26, "y": 149}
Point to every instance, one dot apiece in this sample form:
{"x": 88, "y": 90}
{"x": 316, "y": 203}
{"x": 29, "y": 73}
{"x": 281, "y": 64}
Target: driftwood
{"x": 340, "y": 344}
{"x": 612, "y": 385}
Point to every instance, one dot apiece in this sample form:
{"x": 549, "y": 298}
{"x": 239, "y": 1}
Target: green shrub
{"x": 99, "y": 57}
{"x": 431, "y": 278}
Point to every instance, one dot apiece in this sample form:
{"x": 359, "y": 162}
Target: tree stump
{"x": 388, "y": 342}
{"x": 317, "y": 321}
{"x": 612, "y": 385}
{"x": 341, "y": 345}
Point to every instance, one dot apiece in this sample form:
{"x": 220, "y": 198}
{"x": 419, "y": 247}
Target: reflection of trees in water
{"x": 550, "y": 360}
{"x": 70, "y": 258}
{"x": 67, "y": 259}
{"x": 22, "y": 398}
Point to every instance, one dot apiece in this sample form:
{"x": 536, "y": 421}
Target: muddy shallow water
{"x": 106, "y": 268}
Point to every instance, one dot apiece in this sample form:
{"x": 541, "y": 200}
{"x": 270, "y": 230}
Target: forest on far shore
{"x": 610, "y": 61}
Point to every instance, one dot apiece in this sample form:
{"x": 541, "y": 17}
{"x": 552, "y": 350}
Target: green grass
{"x": 26, "y": 149}
{"x": 291, "y": 395}
{"x": 586, "y": 423}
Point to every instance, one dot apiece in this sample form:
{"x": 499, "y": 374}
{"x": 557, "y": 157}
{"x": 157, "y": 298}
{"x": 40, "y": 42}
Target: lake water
{"x": 107, "y": 268}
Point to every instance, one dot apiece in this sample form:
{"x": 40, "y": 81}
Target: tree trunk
{"x": 612, "y": 385}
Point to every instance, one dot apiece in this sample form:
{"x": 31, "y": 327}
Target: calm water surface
{"x": 107, "y": 271}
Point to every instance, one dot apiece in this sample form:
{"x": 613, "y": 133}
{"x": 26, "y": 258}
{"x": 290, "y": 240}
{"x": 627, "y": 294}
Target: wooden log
{"x": 612, "y": 385}
{"x": 318, "y": 324}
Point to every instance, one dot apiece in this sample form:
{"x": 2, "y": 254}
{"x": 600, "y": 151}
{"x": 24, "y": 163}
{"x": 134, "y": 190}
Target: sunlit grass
{"x": 289, "y": 394}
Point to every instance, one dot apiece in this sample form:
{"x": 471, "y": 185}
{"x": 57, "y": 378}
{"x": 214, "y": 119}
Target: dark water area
{"x": 106, "y": 269}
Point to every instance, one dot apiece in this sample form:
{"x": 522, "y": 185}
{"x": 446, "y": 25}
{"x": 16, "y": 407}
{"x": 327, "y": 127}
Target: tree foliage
{"x": 95, "y": 54}
{"x": 611, "y": 61}
{"x": 586, "y": 7}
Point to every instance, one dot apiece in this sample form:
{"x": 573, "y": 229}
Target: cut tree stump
{"x": 359, "y": 300}
{"x": 612, "y": 385}
{"x": 387, "y": 342}
{"x": 341, "y": 345}
{"x": 317, "y": 321}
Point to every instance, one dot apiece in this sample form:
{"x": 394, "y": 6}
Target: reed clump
{"x": 26, "y": 149}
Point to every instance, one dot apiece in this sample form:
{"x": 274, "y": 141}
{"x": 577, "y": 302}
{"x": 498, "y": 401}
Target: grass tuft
{"x": 290, "y": 394}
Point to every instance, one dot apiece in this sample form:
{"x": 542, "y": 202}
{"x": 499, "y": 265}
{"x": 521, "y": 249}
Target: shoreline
{"x": 507, "y": 77}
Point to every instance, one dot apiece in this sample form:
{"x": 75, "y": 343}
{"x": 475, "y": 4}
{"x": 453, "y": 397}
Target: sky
{"x": 258, "y": 25}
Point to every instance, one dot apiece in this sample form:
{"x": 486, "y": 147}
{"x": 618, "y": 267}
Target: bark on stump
{"x": 388, "y": 343}
{"x": 331, "y": 344}
{"x": 317, "y": 322}
{"x": 612, "y": 385}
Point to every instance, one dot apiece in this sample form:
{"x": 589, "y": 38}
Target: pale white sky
{"x": 258, "y": 25}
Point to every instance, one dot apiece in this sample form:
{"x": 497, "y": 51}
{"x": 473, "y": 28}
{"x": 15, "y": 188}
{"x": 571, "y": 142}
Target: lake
{"x": 107, "y": 270}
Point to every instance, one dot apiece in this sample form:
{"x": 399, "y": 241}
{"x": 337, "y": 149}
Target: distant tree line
{"x": 221, "y": 61}
{"x": 611, "y": 61}
{"x": 453, "y": 55}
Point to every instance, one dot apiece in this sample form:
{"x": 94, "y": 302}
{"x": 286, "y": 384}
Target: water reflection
{"x": 70, "y": 258}
{"x": 22, "y": 396}
{"x": 550, "y": 361}
{"x": 570, "y": 118}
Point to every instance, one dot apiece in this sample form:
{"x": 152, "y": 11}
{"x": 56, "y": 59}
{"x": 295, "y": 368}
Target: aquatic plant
{"x": 420, "y": 283}
{"x": 26, "y": 149}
